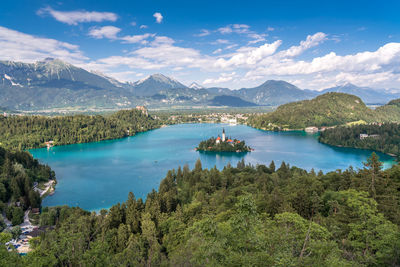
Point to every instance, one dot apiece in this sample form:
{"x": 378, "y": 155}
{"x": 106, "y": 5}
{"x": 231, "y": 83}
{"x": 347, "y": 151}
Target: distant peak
{"x": 276, "y": 82}
{"x": 161, "y": 78}
{"x": 348, "y": 84}
{"x": 196, "y": 86}
{"x": 158, "y": 75}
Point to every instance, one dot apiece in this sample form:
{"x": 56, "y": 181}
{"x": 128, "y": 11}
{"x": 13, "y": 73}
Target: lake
{"x": 98, "y": 175}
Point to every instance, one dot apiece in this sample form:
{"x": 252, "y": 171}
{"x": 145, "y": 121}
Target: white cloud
{"x": 136, "y": 38}
{"x": 243, "y": 29}
{"x": 311, "y": 41}
{"x": 203, "y": 33}
{"x": 19, "y": 46}
{"x": 364, "y": 68}
{"x": 219, "y": 50}
{"x": 220, "y": 41}
{"x": 143, "y": 27}
{"x": 159, "y": 40}
{"x": 386, "y": 57}
{"x": 257, "y": 38}
{"x": 133, "y": 23}
{"x": 225, "y": 30}
{"x": 234, "y": 28}
{"x": 158, "y": 16}
{"x": 270, "y": 29}
{"x": 266, "y": 61}
{"x": 75, "y": 17}
{"x": 109, "y": 32}
{"x": 231, "y": 46}
{"x": 249, "y": 55}
{"x": 225, "y": 77}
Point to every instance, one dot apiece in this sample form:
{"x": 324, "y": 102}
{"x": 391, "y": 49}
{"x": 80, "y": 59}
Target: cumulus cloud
{"x": 143, "y": 27}
{"x": 311, "y": 41}
{"x": 386, "y": 57}
{"x": 225, "y": 77}
{"x": 75, "y": 17}
{"x": 18, "y": 46}
{"x": 131, "y": 39}
{"x": 364, "y": 68}
{"x": 158, "y": 16}
{"x": 267, "y": 61}
{"x": 109, "y": 32}
{"x": 249, "y": 55}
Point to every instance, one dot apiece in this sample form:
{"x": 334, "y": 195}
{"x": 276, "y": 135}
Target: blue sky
{"x": 313, "y": 44}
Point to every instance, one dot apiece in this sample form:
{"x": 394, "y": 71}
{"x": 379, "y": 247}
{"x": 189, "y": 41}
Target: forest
{"x": 234, "y": 146}
{"x": 239, "y": 216}
{"x": 18, "y": 173}
{"x": 330, "y": 109}
{"x": 381, "y": 137}
{"x": 25, "y": 132}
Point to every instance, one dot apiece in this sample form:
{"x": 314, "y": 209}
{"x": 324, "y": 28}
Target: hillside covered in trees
{"x": 329, "y": 109}
{"x": 384, "y": 138}
{"x": 24, "y": 132}
{"x": 390, "y": 111}
{"x": 18, "y": 173}
{"x": 243, "y": 216}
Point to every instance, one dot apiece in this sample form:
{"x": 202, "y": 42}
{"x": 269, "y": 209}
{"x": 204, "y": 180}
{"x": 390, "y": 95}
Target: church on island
{"x": 223, "y": 144}
{"x": 223, "y": 139}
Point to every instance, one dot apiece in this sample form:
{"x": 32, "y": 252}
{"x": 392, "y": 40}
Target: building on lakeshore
{"x": 49, "y": 144}
{"x": 311, "y": 129}
{"x": 363, "y": 136}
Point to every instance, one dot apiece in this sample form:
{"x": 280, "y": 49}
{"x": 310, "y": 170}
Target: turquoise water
{"x": 98, "y": 175}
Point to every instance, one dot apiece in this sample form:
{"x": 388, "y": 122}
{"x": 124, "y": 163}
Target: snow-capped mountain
{"x": 52, "y": 83}
{"x": 155, "y": 83}
{"x": 196, "y": 86}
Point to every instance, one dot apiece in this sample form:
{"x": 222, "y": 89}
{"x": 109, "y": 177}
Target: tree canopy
{"x": 238, "y": 216}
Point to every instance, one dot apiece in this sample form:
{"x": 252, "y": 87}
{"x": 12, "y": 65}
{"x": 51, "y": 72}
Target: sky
{"x": 234, "y": 44}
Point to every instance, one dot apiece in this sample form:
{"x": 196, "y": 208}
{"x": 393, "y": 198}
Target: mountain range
{"x": 52, "y": 83}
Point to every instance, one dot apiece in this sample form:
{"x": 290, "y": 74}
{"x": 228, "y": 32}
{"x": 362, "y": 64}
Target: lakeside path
{"x": 49, "y": 186}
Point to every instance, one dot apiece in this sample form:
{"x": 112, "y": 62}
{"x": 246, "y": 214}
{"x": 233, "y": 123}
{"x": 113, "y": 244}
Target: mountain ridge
{"x": 52, "y": 83}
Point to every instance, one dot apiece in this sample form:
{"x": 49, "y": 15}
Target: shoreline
{"x": 340, "y": 146}
{"x": 366, "y": 149}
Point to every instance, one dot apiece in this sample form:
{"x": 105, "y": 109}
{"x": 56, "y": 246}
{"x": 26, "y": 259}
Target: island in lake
{"x": 223, "y": 144}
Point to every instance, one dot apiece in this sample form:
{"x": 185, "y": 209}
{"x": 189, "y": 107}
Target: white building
{"x": 311, "y": 129}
